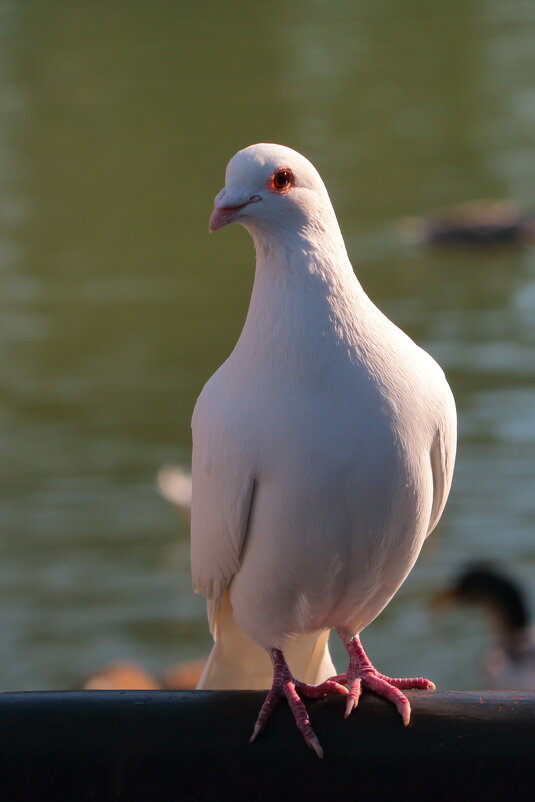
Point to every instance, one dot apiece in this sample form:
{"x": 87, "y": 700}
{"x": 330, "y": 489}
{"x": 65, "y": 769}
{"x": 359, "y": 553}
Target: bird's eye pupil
{"x": 282, "y": 179}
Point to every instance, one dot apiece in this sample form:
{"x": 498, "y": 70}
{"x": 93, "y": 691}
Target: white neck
{"x": 305, "y": 301}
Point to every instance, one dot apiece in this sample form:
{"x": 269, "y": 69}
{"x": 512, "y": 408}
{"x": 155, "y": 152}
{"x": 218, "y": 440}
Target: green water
{"x": 116, "y": 123}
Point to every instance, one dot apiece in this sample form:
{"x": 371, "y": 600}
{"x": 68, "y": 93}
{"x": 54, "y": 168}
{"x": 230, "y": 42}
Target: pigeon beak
{"x": 444, "y": 599}
{"x": 226, "y": 209}
{"x": 222, "y": 216}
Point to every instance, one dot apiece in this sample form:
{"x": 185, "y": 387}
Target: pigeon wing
{"x": 222, "y": 495}
{"x": 442, "y": 462}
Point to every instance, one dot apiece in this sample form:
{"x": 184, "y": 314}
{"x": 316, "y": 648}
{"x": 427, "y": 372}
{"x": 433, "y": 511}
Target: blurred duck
{"x": 510, "y": 663}
{"x": 476, "y": 223}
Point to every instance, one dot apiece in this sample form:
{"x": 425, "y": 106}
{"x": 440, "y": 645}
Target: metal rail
{"x": 156, "y": 746}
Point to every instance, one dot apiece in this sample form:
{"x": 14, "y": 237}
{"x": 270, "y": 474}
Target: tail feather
{"x": 235, "y": 662}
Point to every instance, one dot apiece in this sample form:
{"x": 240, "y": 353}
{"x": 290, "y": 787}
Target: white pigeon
{"x": 323, "y": 452}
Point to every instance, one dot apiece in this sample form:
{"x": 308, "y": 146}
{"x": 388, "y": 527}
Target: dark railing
{"x": 151, "y": 746}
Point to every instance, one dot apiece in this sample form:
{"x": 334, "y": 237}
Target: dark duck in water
{"x": 510, "y": 663}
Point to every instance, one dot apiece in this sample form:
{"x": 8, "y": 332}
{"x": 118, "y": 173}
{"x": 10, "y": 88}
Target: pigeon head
{"x": 271, "y": 189}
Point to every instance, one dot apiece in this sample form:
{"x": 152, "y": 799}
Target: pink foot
{"x": 361, "y": 674}
{"x": 285, "y": 685}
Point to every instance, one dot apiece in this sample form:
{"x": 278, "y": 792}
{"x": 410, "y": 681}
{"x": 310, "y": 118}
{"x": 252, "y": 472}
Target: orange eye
{"x": 281, "y": 180}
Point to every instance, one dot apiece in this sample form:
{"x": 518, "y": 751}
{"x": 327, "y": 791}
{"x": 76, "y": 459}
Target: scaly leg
{"x": 285, "y": 685}
{"x": 361, "y": 674}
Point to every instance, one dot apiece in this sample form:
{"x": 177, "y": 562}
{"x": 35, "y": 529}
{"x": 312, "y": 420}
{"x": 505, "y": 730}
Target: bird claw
{"x": 362, "y": 675}
{"x": 353, "y": 696}
{"x": 405, "y": 712}
{"x": 256, "y": 731}
{"x": 314, "y": 744}
{"x": 285, "y": 685}
{"x": 318, "y": 691}
{"x": 414, "y": 683}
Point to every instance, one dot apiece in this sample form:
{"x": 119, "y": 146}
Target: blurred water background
{"x": 116, "y": 123}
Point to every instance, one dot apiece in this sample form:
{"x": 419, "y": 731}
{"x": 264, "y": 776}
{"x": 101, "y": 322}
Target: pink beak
{"x": 226, "y": 207}
{"x": 222, "y": 216}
